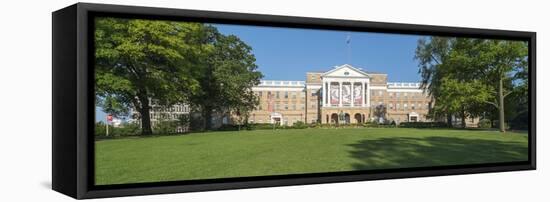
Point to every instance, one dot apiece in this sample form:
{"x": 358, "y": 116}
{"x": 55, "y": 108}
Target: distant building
{"x": 344, "y": 94}
{"x": 161, "y": 113}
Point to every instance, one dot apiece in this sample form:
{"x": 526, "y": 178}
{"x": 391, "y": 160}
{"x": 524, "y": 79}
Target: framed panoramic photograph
{"x": 155, "y": 100}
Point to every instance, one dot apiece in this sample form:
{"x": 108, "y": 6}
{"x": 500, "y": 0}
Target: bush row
{"x": 130, "y": 129}
{"x": 169, "y": 127}
{"x": 423, "y": 125}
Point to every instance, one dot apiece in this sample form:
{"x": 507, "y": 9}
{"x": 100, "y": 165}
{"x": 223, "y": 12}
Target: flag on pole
{"x": 348, "y": 39}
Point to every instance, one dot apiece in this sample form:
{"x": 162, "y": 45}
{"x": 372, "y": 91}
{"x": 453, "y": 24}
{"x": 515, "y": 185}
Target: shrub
{"x": 165, "y": 127}
{"x": 100, "y": 129}
{"x": 299, "y": 125}
{"x": 262, "y": 126}
{"x": 423, "y": 125}
{"x": 126, "y": 129}
{"x": 228, "y": 127}
{"x": 484, "y": 123}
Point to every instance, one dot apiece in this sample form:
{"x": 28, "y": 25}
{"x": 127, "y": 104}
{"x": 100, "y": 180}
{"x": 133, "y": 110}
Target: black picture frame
{"x": 73, "y": 100}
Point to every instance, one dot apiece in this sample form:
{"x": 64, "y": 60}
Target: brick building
{"x": 352, "y": 96}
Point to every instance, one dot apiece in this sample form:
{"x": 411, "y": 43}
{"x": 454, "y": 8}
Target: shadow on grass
{"x": 406, "y": 152}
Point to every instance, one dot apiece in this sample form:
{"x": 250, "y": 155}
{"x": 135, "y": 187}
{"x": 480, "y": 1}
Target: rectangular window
{"x": 293, "y": 95}
{"x": 260, "y": 93}
{"x": 405, "y": 106}
{"x": 277, "y": 94}
{"x": 286, "y": 94}
{"x": 397, "y": 106}
{"x": 412, "y": 106}
{"x": 286, "y": 106}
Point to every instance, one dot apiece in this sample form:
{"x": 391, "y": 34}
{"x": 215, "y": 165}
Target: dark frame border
{"x": 83, "y": 164}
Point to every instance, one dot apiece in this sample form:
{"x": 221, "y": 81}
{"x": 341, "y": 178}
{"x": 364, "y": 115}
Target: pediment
{"x": 345, "y": 71}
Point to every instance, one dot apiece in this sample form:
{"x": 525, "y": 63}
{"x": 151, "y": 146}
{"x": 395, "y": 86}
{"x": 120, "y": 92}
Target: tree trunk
{"x": 145, "y": 116}
{"x": 450, "y": 120}
{"x": 207, "y": 118}
{"x": 501, "y": 122}
{"x": 463, "y": 114}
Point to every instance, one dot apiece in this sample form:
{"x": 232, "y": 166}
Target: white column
{"x": 363, "y": 94}
{"x": 324, "y": 88}
{"x": 328, "y": 95}
{"x": 352, "y": 94}
{"x": 340, "y": 92}
{"x": 367, "y": 88}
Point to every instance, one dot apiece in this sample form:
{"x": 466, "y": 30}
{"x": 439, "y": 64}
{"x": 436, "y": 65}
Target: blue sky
{"x": 288, "y": 53}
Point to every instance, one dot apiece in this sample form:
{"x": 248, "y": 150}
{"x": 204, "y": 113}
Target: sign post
{"x": 109, "y": 120}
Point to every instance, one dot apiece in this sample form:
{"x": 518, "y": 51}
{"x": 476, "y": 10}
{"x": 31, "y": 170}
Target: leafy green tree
{"x": 138, "y": 61}
{"x": 380, "y": 111}
{"x": 462, "y": 98}
{"x": 431, "y": 54}
{"x": 499, "y": 65}
{"x": 226, "y": 81}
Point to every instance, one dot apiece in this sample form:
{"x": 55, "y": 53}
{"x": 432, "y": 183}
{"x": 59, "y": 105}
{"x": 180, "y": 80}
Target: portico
{"x": 346, "y": 95}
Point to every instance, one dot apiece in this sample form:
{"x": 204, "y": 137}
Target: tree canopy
{"x": 140, "y": 63}
{"x": 467, "y": 76}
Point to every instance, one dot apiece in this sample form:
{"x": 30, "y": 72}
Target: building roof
{"x": 336, "y": 67}
{"x": 275, "y": 83}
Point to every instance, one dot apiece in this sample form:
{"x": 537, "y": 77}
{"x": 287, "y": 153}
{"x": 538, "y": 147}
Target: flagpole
{"x": 348, "y": 43}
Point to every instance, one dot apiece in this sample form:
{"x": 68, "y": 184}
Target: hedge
{"x": 423, "y": 125}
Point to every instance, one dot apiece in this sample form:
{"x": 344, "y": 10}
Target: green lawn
{"x": 268, "y": 152}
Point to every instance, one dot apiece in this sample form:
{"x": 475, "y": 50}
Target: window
{"x": 397, "y": 106}
{"x": 396, "y": 95}
{"x": 391, "y": 94}
{"x": 293, "y": 95}
{"x": 380, "y": 93}
{"x": 313, "y": 94}
{"x": 286, "y": 106}
{"x": 293, "y": 106}
{"x": 391, "y": 105}
{"x": 286, "y": 94}
{"x": 404, "y": 94}
{"x": 260, "y": 107}
{"x": 303, "y": 106}
{"x": 277, "y": 94}
{"x": 405, "y": 106}
{"x": 412, "y": 106}
{"x": 260, "y": 93}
